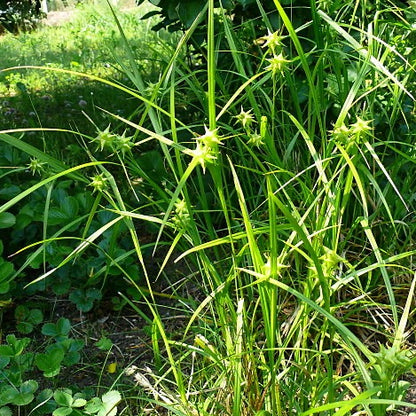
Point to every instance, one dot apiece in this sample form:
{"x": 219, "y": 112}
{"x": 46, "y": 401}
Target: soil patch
{"x": 59, "y": 18}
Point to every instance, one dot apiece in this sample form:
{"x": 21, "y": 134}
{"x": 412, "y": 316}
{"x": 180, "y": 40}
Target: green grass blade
{"x": 44, "y": 182}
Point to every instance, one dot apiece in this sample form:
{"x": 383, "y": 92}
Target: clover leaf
{"x": 106, "y": 406}
{"x": 59, "y": 331}
{"x": 50, "y": 362}
{"x": 84, "y": 299}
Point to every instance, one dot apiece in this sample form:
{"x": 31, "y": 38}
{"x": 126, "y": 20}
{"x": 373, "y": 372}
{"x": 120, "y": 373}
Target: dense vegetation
{"x": 19, "y": 15}
{"x": 245, "y": 186}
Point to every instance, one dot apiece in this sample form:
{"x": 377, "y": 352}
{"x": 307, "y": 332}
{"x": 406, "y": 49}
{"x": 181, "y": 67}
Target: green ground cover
{"x": 245, "y": 187}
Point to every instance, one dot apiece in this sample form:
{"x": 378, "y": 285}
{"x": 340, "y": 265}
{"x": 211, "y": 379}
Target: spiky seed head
{"x": 277, "y": 64}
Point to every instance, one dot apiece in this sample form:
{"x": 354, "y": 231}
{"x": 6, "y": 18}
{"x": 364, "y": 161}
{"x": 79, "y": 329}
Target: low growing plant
{"x": 19, "y": 382}
{"x": 27, "y": 319}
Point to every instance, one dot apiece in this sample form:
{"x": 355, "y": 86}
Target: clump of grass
{"x": 274, "y": 191}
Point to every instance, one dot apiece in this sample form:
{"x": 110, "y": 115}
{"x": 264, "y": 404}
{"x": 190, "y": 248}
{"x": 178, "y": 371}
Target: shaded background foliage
{"x": 179, "y": 14}
{"x": 19, "y": 15}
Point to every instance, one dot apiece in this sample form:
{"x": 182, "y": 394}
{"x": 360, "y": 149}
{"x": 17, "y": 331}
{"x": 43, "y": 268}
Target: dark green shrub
{"x": 180, "y": 14}
{"x": 19, "y": 15}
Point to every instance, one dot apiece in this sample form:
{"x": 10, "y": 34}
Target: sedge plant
{"x": 281, "y": 180}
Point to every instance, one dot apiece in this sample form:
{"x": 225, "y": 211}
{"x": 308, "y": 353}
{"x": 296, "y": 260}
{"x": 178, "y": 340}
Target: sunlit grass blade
{"x": 79, "y": 249}
{"x": 344, "y": 406}
{"x": 399, "y": 335}
{"x": 386, "y": 174}
{"x": 44, "y": 182}
{"x": 306, "y": 241}
{"x": 383, "y": 270}
{"x": 35, "y": 152}
{"x": 305, "y": 65}
{"x": 237, "y": 361}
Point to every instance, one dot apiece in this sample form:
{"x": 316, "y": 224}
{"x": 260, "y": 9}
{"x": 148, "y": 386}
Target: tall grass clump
{"x": 286, "y": 186}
